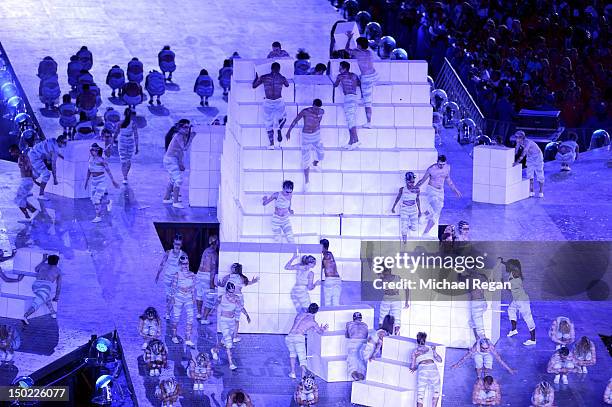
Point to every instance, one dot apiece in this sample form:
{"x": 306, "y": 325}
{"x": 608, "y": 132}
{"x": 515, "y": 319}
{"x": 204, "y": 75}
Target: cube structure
{"x": 205, "y": 166}
{"x": 495, "y": 179}
{"x": 326, "y": 353}
{"x": 16, "y": 297}
{"x": 72, "y": 171}
{"x": 389, "y": 381}
{"x": 340, "y": 37}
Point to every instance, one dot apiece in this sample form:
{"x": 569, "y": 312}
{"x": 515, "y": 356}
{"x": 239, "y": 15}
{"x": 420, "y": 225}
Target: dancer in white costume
{"x": 96, "y": 171}
{"x": 535, "y": 161}
{"x": 463, "y": 231}
{"x": 410, "y": 209}
{"x": 238, "y": 398}
{"x": 585, "y": 353}
{"x": 561, "y": 364}
{"x": 520, "y": 300}
{"x": 240, "y": 281}
{"x": 332, "y": 285}
{"x": 423, "y": 362}
{"x": 391, "y": 303}
{"x": 281, "y": 223}
{"x": 543, "y": 395}
{"x": 437, "y": 174}
{"x": 47, "y": 273}
{"x": 483, "y": 352}
{"x": 562, "y": 332}
{"x": 128, "y": 142}
{"x": 303, "y": 281}
{"x": 486, "y": 392}
{"x": 296, "y": 339}
{"x": 311, "y": 138}
{"x": 174, "y": 162}
{"x": 228, "y": 306}
{"x": 356, "y": 339}
{"x": 48, "y": 149}
{"x": 183, "y": 287}
{"x": 478, "y": 302}
{"x": 350, "y": 82}
{"x": 205, "y": 280}
{"x": 365, "y": 61}
{"x": 149, "y": 326}
{"x": 275, "y": 115}
{"x": 26, "y": 184}
{"x": 607, "y": 397}
{"x": 170, "y": 266}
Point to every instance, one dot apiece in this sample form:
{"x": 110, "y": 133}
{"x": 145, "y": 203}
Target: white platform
{"x": 389, "y": 382}
{"x": 72, "y": 170}
{"x": 205, "y": 166}
{"x": 495, "y": 179}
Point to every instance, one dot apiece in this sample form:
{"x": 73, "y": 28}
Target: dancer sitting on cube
{"x": 275, "y": 115}
{"x": 410, "y": 209}
{"x": 365, "y": 61}
{"x": 311, "y": 138}
{"x": 350, "y": 82}
{"x": 281, "y": 224}
{"x": 303, "y": 281}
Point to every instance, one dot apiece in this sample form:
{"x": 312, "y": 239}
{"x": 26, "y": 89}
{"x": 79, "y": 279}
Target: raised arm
{"x": 294, "y": 122}
{"x": 257, "y": 81}
{"x": 290, "y": 266}
{"x": 349, "y": 37}
{"x": 464, "y": 358}
{"x": 424, "y": 179}
{"x": 437, "y": 357}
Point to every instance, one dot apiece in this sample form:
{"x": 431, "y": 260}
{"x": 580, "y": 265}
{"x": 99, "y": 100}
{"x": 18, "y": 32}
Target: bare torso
{"x": 25, "y": 166}
{"x": 47, "y": 272}
{"x": 302, "y": 323}
{"x": 329, "y": 266}
{"x": 365, "y": 60}
{"x": 356, "y": 330}
{"x": 312, "y": 119}
{"x": 349, "y": 82}
{"x": 438, "y": 175}
{"x": 273, "y": 83}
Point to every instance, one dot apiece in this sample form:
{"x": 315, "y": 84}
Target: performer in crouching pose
{"x": 156, "y": 357}
{"x": 47, "y": 273}
{"x": 543, "y": 395}
{"x": 10, "y": 341}
{"x": 562, "y": 332}
{"x": 199, "y": 369}
{"x": 149, "y": 326}
{"x": 561, "y": 364}
{"x": 356, "y": 339}
{"x": 585, "y": 354}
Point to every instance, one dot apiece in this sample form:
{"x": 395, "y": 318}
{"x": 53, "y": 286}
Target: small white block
{"x": 481, "y": 193}
{"x": 501, "y": 157}
{"x": 481, "y": 175}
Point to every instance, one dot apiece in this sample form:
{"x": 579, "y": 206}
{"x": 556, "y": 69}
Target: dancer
{"x": 311, "y": 138}
{"x": 205, "y": 280}
{"x": 204, "y": 87}
{"x": 281, "y": 223}
{"x": 174, "y": 162}
{"x": 47, "y": 273}
{"x": 10, "y": 341}
{"x": 132, "y": 94}
{"x": 26, "y": 184}
{"x": 73, "y": 71}
{"x": 332, "y": 285}
{"x": 168, "y": 391}
{"x": 240, "y": 281}
{"x": 85, "y": 129}
{"x": 49, "y": 89}
{"x": 112, "y": 123}
{"x": 562, "y": 332}
{"x": 128, "y": 142}
{"x": 95, "y": 170}
{"x": 437, "y": 174}
{"x": 48, "y": 149}
{"x": 423, "y": 362}
{"x": 149, "y": 326}
{"x": 156, "y": 357}
{"x": 135, "y": 71}
{"x": 67, "y": 119}
{"x": 303, "y": 281}
{"x": 115, "y": 79}
{"x": 535, "y": 161}
{"x": 585, "y": 354}
{"x": 543, "y": 395}
{"x": 199, "y": 369}
{"x": 483, "y": 352}
{"x": 225, "y": 76}
{"x": 391, "y": 303}
{"x": 166, "y": 63}
{"x": 307, "y": 392}
{"x": 561, "y": 364}
{"x": 520, "y": 300}
{"x": 356, "y": 334}
{"x": 85, "y": 57}
{"x": 277, "y": 51}
{"x": 464, "y": 231}
{"x": 155, "y": 84}
{"x": 487, "y": 392}
{"x": 170, "y": 265}
{"x": 228, "y": 306}
{"x": 274, "y": 112}
{"x": 238, "y": 398}
{"x": 365, "y": 61}
{"x": 296, "y": 340}
{"x": 373, "y": 347}
{"x": 350, "y": 82}
{"x": 478, "y": 302}
{"x": 183, "y": 287}
{"x": 607, "y": 398}
{"x": 567, "y": 152}
{"x": 410, "y": 209}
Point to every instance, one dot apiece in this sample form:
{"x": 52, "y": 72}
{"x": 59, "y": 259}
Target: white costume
{"x": 126, "y": 143}
{"x": 354, "y": 356}
{"x": 520, "y": 302}
{"x": 427, "y": 376}
{"x": 97, "y": 186}
{"x": 535, "y": 160}
{"x": 282, "y": 224}
{"x": 477, "y": 310}
{"x": 350, "y": 109}
{"x": 45, "y": 150}
{"x": 299, "y": 292}
{"x": 409, "y": 213}
{"x": 367, "y": 87}
{"x": 332, "y": 288}
{"x": 296, "y": 343}
{"x": 435, "y": 198}
{"x": 311, "y": 142}
{"x": 274, "y": 113}
{"x": 226, "y": 325}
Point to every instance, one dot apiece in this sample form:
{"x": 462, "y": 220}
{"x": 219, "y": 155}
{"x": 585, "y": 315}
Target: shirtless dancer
{"x": 273, "y": 105}
{"x": 311, "y": 138}
{"x": 47, "y": 273}
{"x": 296, "y": 341}
{"x": 437, "y": 173}
{"x": 332, "y": 285}
{"x": 205, "y": 280}
{"x": 350, "y": 82}
{"x": 357, "y": 336}
{"x": 26, "y": 184}
{"x": 391, "y": 303}
{"x": 174, "y": 162}
{"x": 365, "y": 61}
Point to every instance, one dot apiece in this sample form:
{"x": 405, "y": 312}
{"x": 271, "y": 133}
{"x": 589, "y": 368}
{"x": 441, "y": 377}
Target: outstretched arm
{"x": 257, "y": 81}
{"x": 437, "y": 357}
{"x": 267, "y": 199}
{"x": 501, "y": 361}
{"x": 464, "y": 358}
{"x": 424, "y": 179}
{"x": 293, "y": 123}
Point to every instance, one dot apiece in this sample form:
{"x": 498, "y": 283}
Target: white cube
{"x": 417, "y": 71}
{"x": 501, "y": 157}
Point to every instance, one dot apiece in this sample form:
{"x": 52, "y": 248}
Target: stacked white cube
{"x": 205, "y": 166}
{"x": 495, "y": 179}
{"x": 72, "y": 170}
{"x": 326, "y": 352}
{"x": 16, "y": 297}
{"x": 340, "y": 35}
{"x": 389, "y": 382}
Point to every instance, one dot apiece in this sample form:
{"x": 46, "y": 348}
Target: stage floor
{"x": 110, "y": 267}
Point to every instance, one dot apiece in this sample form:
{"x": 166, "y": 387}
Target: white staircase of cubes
{"x": 389, "y": 382}
{"x": 326, "y": 352}
{"x": 72, "y": 170}
{"x": 495, "y": 179}
{"x": 16, "y": 297}
{"x": 204, "y": 163}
